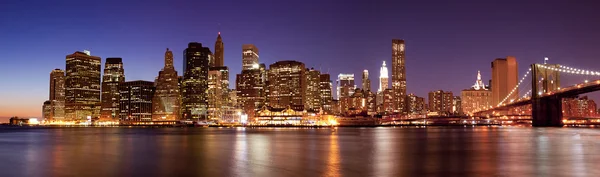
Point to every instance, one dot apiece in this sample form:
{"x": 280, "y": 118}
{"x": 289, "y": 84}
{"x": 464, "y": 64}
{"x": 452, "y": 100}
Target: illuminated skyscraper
{"x": 441, "y": 102}
{"x": 345, "y": 85}
{"x": 195, "y": 81}
{"x": 504, "y": 79}
{"x": 287, "y": 85}
{"x": 167, "y": 98}
{"x": 475, "y": 98}
{"x": 82, "y": 86}
{"x": 313, "y": 96}
{"x": 251, "y": 89}
{"x": 366, "y": 82}
{"x": 218, "y": 88}
{"x": 383, "y": 78}
{"x": 136, "y": 100}
{"x": 399, "y": 76}
{"x": 249, "y": 56}
{"x": 56, "y": 108}
{"x": 325, "y": 87}
{"x": 218, "y": 59}
{"x": 114, "y": 75}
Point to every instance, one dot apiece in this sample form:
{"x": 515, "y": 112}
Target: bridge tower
{"x": 546, "y": 111}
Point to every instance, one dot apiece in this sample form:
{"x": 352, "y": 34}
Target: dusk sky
{"x": 446, "y": 42}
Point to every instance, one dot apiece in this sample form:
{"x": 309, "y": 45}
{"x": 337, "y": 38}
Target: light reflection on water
{"x": 389, "y": 151}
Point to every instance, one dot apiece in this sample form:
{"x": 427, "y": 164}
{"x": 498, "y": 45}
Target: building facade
{"x": 345, "y": 85}
{"x": 366, "y": 82}
{"x": 399, "y": 76}
{"x": 251, "y": 89}
{"x": 383, "y": 78}
{"x": 219, "y": 52}
{"x": 416, "y": 105}
{"x": 218, "y": 88}
{"x": 82, "y": 86}
{"x": 325, "y": 91}
{"x": 579, "y": 107}
{"x": 56, "y": 109}
{"x": 504, "y": 79}
{"x": 136, "y": 100}
{"x": 195, "y": 81}
{"x": 476, "y": 98}
{"x": 441, "y": 102}
{"x": 249, "y": 57}
{"x": 313, "y": 91}
{"x": 114, "y": 74}
{"x": 287, "y": 84}
{"x": 166, "y": 100}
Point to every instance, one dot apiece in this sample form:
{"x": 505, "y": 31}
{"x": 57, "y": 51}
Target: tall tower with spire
{"x": 166, "y": 99}
{"x": 383, "y": 78}
{"x": 218, "y": 60}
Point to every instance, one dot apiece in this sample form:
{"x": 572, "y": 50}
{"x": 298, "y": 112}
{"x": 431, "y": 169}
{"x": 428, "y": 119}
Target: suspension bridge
{"x": 544, "y": 97}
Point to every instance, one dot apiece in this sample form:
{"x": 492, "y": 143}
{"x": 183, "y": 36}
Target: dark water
{"x": 262, "y": 152}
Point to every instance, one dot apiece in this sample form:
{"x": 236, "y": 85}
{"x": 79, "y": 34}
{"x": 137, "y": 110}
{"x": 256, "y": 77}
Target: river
{"x": 302, "y": 152}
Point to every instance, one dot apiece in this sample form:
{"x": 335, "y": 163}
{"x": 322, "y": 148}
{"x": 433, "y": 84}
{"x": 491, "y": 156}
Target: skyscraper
{"x": 136, "y": 100}
{"x": 287, "y": 84}
{"x": 313, "y": 94}
{"x": 56, "y": 109}
{"x": 114, "y": 75}
{"x": 475, "y": 98}
{"x": 249, "y": 56}
{"x": 345, "y": 85}
{"x": 251, "y": 88}
{"x": 167, "y": 98}
{"x": 366, "y": 82}
{"x": 218, "y": 96}
{"x": 504, "y": 79}
{"x": 195, "y": 81}
{"x": 325, "y": 87}
{"x": 399, "y": 76}
{"x": 82, "y": 86}
{"x": 218, "y": 60}
{"x": 383, "y": 78}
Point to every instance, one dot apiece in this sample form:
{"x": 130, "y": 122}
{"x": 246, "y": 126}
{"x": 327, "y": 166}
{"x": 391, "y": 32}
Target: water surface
{"x": 264, "y": 152}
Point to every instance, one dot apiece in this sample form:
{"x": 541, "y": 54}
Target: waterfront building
{"x": 325, "y": 87}
{"x": 313, "y": 92}
{"x": 457, "y": 105}
{"x": 47, "y": 109}
{"x": 504, "y": 79}
{"x": 366, "y": 82}
{"x": 399, "y": 76}
{"x": 387, "y": 105}
{"x": 441, "y": 102}
{"x": 579, "y": 107}
{"x": 114, "y": 75}
{"x": 371, "y": 102}
{"x": 280, "y": 116}
{"x": 82, "y": 86}
{"x": 476, "y": 98}
{"x": 57, "y": 95}
{"x": 195, "y": 81}
{"x": 416, "y": 105}
{"x": 249, "y": 57}
{"x": 287, "y": 84}
{"x": 166, "y": 100}
{"x": 218, "y": 87}
{"x": 135, "y": 100}
{"x": 251, "y": 89}
{"x": 345, "y": 85}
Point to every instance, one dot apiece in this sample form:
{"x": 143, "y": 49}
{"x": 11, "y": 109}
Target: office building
{"x": 383, "y": 78}
{"x": 345, "y": 85}
{"x": 579, "y": 107}
{"x": 82, "y": 86}
{"x": 476, "y": 98}
{"x": 166, "y": 100}
{"x": 504, "y": 80}
{"x": 218, "y": 96}
{"x": 114, "y": 75}
{"x": 56, "y": 109}
{"x": 325, "y": 89}
{"x": 399, "y": 76}
{"x": 251, "y": 89}
{"x": 195, "y": 81}
{"x": 366, "y": 82}
{"x": 249, "y": 57}
{"x": 219, "y": 53}
{"x": 136, "y": 100}
{"x": 416, "y": 105}
{"x": 441, "y": 102}
{"x": 313, "y": 91}
{"x": 287, "y": 85}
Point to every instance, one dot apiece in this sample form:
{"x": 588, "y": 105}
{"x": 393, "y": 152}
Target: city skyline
{"x": 30, "y": 89}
